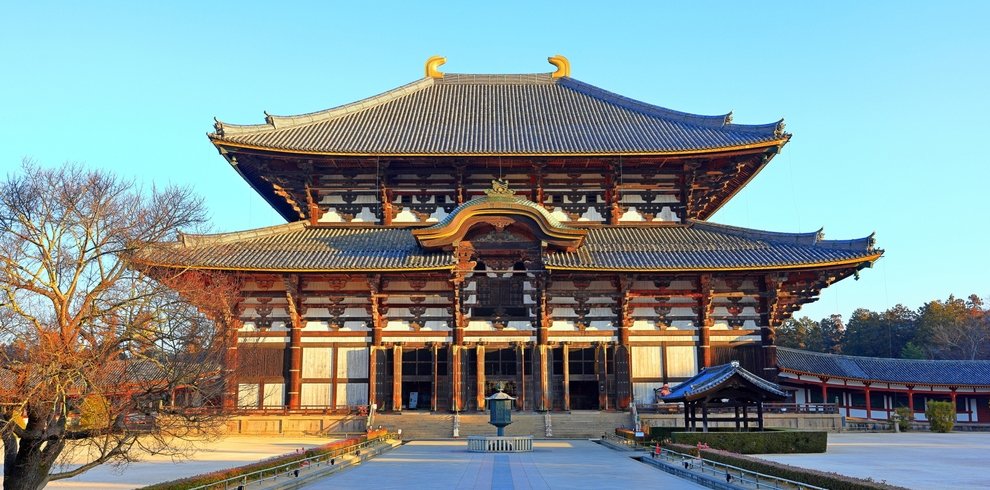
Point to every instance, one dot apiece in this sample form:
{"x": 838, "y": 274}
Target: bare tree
{"x": 100, "y": 361}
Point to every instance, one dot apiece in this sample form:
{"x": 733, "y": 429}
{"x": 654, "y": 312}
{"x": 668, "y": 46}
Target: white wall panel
{"x": 352, "y": 394}
{"x": 682, "y": 361}
{"x": 644, "y": 392}
{"x": 316, "y": 362}
{"x": 352, "y": 362}
{"x": 647, "y": 361}
{"x": 315, "y": 395}
{"x": 247, "y": 395}
{"x": 274, "y": 395}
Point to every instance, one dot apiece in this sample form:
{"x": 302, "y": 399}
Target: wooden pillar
{"x": 334, "y": 362}
{"x": 952, "y": 397}
{"x": 457, "y": 386}
{"x": 824, "y": 390}
{"x": 294, "y": 300}
{"x": 866, "y": 389}
{"x": 759, "y": 415}
{"x": 910, "y": 389}
{"x": 436, "y": 378}
{"x": 230, "y": 367}
{"x": 567, "y": 377}
{"x": 372, "y": 375}
{"x": 397, "y": 377}
{"x": 602, "y": 374}
{"x": 705, "y": 321}
{"x": 704, "y": 416}
{"x": 375, "y": 296}
{"x": 521, "y": 361}
{"x": 544, "y": 372}
{"x": 480, "y": 363}
{"x": 745, "y": 415}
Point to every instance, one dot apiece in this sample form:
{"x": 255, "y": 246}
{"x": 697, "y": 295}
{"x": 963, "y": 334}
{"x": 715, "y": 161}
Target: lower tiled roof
{"x": 296, "y": 247}
{"x": 705, "y": 246}
{"x": 695, "y": 246}
{"x": 710, "y": 379}
{"x": 905, "y": 371}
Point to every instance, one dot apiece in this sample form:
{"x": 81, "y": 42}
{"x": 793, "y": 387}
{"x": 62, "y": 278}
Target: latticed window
{"x": 500, "y": 296}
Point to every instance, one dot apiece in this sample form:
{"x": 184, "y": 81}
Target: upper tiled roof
{"x": 706, "y": 246}
{"x": 910, "y": 371}
{"x": 532, "y": 114}
{"x": 710, "y": 379}
{"x": 696, "y": 246}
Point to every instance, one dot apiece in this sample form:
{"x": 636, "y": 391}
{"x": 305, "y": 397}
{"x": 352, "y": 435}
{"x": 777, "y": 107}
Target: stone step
{"x": 574, "y": 425}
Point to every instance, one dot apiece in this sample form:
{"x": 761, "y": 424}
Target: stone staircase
{"x": 573, "y": 425}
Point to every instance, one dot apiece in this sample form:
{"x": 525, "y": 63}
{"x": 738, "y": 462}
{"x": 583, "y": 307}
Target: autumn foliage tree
{"x": 100, "y": 361}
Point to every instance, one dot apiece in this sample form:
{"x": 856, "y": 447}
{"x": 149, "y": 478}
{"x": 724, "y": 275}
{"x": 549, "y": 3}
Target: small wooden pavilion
{"x": 722, "y": 387}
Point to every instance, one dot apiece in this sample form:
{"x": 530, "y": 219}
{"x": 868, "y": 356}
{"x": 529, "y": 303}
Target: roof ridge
{"x": 811, "y": 239}
{"x": 653, "y": 110}
{"x": 283, "y": 122}
{"x": 191, "y": 240}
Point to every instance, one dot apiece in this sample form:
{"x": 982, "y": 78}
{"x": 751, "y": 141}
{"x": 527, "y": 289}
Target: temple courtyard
{"x": 913, "y": 460}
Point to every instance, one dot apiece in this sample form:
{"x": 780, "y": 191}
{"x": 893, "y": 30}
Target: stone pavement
{"x": 571, "y": 464}
{"x": 912, "y": 459}
{"x": 225, "y": 453}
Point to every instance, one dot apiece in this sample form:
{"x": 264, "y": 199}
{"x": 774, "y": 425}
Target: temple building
{"x": 533, "y": 230}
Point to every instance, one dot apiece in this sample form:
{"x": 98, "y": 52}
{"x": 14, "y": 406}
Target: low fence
{"x": 500, "y": 444}
{"x": 730, "y": 474}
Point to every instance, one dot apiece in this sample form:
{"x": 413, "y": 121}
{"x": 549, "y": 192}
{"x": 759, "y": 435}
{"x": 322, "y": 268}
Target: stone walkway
{"x": 577, "y": 464}
{"x": 225, "y": 453}
{"x": 920, "y": 460}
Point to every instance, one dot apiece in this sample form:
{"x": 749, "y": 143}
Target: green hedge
{"x": 660, "y": 434}
{"x": 767, "y": 442}
{"x": 941, "y": 415}
{"x": 833, "y": 481}
{"x": 331, "y": 449}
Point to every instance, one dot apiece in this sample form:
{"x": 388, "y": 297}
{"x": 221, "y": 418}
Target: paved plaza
{"x": 226, "y": 453}
{"x": 552, "y": 464}
{"x": 913, "y": 459}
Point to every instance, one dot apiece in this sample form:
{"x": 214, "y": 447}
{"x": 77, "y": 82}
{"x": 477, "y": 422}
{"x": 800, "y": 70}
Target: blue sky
{"x": 887, "y": 101}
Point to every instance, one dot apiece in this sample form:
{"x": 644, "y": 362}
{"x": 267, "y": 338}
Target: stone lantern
{"x": 500, "y": 410}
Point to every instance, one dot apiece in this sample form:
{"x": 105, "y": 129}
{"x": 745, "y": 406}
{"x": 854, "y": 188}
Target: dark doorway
{"x": 584, "y": 395}
{"x": 417, "y": 395}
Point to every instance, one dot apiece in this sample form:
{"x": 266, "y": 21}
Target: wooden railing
{"x": 774, "y": 408}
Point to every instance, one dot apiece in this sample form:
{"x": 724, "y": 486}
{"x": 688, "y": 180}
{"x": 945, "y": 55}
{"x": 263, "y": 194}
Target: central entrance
{"x": 583, "y": 379}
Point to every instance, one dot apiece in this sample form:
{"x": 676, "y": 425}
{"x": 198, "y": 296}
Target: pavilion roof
{"x": 904, "y": 371}
{"x": 476, "y": 115}
{"x": 695, "y": 246}
{"x": 715, "y": 379}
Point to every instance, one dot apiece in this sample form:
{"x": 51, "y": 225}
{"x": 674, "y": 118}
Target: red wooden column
{"x": 397, "y": 377}
{"x": 824, "y": 390}
{"x": 464, "y": 253}
{"x": 374, "y": 297}
{"x": 602, "y": 355}
{"x": 434, "y": 389}
{"x": 455, "y": 378}
{"x": 910, "y": 389}
{"x": 567, "y": 376}
{"x": 521, "y": 359}
{"x": 952, "y": 397}
{"x": 705, "y": 321}
{"x": 293, "y": 296}
{"x": 869, "y": 414}
{"x": 543, "y": 349}
{"x": 480, "y": 363}
{"x": 230, "y": 367}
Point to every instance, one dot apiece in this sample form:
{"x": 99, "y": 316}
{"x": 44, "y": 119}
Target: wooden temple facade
{"x": 534, "y": 230}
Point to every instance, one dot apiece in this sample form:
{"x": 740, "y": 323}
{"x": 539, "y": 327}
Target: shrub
{"x": 767, "y": 442}
{"x": 818, "y": 478}
{"x": 941, "y": 415}
{"x": 94, "y": 412}
{"x": 904, "y": 418}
